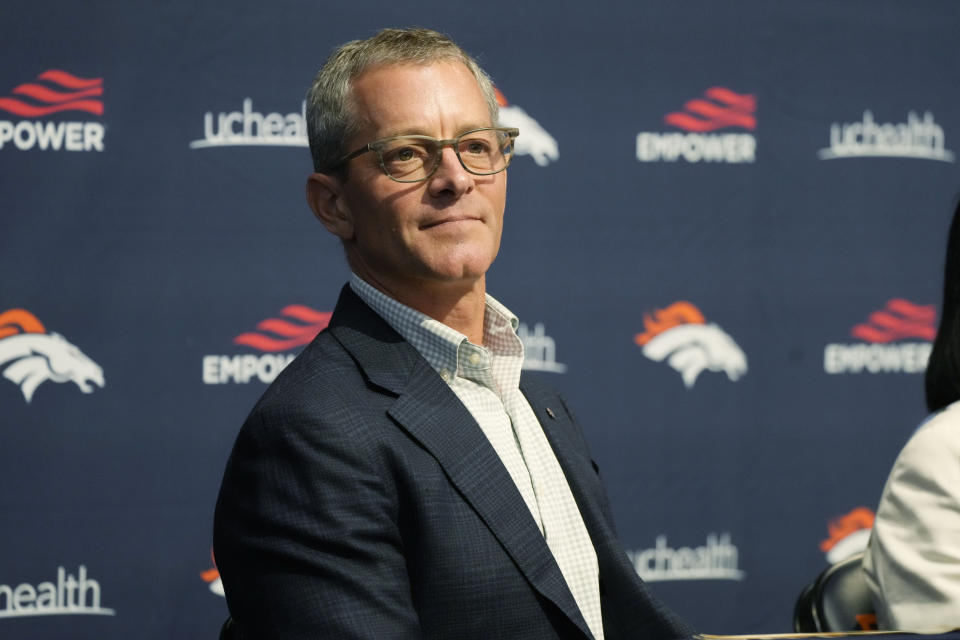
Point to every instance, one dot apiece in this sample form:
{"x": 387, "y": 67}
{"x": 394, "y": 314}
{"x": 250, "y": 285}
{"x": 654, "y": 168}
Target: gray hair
{"x": 330, "y": 117}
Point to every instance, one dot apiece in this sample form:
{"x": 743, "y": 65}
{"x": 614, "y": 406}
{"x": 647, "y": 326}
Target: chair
{"x": 838, "y": 600}
{"x": 229, "y": 630}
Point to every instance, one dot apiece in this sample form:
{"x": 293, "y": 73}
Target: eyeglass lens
{"x": 415, "y": 157}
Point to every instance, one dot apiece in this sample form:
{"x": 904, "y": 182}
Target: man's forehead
{"x": 406, "y": 98}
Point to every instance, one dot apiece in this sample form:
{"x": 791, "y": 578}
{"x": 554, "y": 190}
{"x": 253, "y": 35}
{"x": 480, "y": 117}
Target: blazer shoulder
{"x": 323, "y": 395}
{"x": 323, "y": 364}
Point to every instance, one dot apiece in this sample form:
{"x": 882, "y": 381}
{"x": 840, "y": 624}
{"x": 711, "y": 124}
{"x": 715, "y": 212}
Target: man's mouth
{"x": 449, "y": 220}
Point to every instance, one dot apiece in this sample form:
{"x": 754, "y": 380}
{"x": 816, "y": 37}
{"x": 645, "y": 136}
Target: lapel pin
{"x": 551, "y": 413}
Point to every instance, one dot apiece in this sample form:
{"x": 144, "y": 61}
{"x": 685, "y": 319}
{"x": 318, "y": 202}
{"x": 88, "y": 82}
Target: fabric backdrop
{"x": 724, "y": 236}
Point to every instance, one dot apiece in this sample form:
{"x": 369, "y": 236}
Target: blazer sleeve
{"x": 913, "y": 560}
{"x": 305, "y": 532}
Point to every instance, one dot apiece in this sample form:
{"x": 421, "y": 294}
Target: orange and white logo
{"x": 698, "y": 122}
{"x": 29, "y": 356}
{"x": 848, "y": 534}
{"x": 681, "y": 335}
{"x": 296, "y": 327}
{"x": 212, "y": 577}
{"x": 54, "y": 91}
{"x": 895, "y": 339}
{"x": 533, "y": 141}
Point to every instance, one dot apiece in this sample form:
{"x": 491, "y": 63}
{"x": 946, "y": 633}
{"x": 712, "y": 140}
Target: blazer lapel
{"x": 572, "y": 455}
{"x": 432, "y": 414}
{"x": 571, "y": 452}
{"x": 628, "y": 609}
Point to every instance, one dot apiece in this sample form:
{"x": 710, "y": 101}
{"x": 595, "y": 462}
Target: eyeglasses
{"x": 413, "y": 158}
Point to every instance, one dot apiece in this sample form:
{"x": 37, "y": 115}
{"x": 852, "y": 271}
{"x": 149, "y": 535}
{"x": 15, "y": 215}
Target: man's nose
{"x": 450, "y": 178}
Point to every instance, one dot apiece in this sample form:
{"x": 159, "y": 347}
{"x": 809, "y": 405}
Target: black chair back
{"x": 838, "y": 600}
{"x": 229, "y": 630}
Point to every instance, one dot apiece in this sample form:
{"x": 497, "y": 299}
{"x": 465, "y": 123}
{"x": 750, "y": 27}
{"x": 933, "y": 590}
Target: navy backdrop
{"x": 724, "y": 236}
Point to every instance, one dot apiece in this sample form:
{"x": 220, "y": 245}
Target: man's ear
{"x": 325, "y": 197}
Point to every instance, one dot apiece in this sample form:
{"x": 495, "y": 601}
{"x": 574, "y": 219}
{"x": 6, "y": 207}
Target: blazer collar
{"x": 429, "y": 411}
{"x": 385, "y": 357}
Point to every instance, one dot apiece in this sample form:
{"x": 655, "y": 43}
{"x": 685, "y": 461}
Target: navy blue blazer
{"x": 362, "y": 500}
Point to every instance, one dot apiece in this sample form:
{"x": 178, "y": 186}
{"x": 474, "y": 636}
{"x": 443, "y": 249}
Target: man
{"x": 399, "y": 479}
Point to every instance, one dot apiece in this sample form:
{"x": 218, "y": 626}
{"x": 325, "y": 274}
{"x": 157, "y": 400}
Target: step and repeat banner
{"x": 724, "y": 239}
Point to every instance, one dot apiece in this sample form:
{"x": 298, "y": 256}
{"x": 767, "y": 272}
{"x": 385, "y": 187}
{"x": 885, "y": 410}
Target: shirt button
{"x": 474, "y": 358}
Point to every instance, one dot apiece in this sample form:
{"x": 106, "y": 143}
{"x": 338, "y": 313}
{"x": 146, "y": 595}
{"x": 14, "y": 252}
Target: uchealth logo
{"x": 52, "y": 93}
{"x": 847, "y": 534}
{"x": 533, "y": 141}
{"x": 249, "y": 127}
{"x": 895, "y": 339}
{"x": 30, "y": 356}
{"x": 919, "y": 138}
{"x": 700, "y": 123}
{"x": 539, "y": 349}
{"x": 212, "y": 577}
{"x": 681, "y": 335}
{"x": 273, "y": 338}
{"x": 67, "y": 594}
{"x": 716, "y": 560}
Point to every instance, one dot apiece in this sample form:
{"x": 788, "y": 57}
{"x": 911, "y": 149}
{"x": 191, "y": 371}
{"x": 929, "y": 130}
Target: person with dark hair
{"x": 402, "y": 478}
{"x": 912, "y": 564}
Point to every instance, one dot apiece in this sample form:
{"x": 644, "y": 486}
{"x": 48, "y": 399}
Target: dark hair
{"x": 942, "y": 380}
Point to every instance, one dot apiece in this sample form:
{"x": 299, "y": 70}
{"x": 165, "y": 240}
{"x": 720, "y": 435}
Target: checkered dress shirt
{"x": 486, "y": 379}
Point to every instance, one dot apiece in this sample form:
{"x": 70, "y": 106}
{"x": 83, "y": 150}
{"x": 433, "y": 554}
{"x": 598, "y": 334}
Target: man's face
{"x": 445, "y": 229}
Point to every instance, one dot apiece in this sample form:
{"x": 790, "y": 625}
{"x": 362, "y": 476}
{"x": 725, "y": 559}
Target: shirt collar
{"x": 442, "y": 347}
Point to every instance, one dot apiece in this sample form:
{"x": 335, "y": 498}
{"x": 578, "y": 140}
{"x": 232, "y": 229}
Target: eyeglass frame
{"x": 512, "y": 133}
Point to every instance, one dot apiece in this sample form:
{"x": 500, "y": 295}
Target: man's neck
{"x": 459, "y": 305}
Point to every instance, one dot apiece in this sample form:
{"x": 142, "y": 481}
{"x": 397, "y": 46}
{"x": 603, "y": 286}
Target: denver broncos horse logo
{"x": 33, "y": 356}
{"x": 212, "y": 577}
{"x": 533, "y": 140}
{"x": 681, "y": 334}
{"x": 848, "y": 534}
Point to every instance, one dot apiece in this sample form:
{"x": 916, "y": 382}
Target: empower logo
{"x": 247, "y": 127}
{"x": 68, "y": 595}
{"x": 716, "y": 560}
{"x": 681, "y": 335}
{"x": 297, "y": 326}
{"x": 895, "y": 339}
{"x": 919, "y": 138}
{"x": 52, "y": 92}
{"x": 533, "y": 140}
{"x": 719, "y": 108}
{"x": 29, "y": 356}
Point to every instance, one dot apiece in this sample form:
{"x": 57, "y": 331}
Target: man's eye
{"x": 405, "y": 153}
{"x": 476, "y": 146}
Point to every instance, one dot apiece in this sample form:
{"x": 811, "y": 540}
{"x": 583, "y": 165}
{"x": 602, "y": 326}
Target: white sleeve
{"x": 913, "y": 560}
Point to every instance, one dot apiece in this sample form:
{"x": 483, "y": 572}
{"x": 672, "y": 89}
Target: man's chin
{"x": 463, "y": 270}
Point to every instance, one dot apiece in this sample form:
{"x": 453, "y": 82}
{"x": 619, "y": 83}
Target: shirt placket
{"x": 474, "y": 365}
